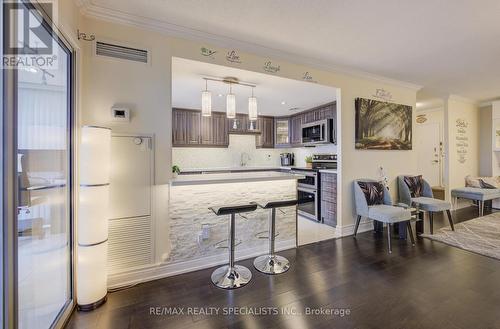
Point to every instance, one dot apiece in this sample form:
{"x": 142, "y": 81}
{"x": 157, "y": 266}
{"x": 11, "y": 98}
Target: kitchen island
{"x": 196, "y": 233}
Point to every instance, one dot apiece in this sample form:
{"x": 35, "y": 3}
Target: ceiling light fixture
{"x": 206, "y": 101}
{"x": 230, "y": 104}
{"x": 283, "y": 102}
{"x": 252, "y": 107}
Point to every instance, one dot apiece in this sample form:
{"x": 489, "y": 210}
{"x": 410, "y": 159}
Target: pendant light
{"x": 206, "y": 101}
{"x": 252, "y": 108}
{"x": 230, "y": 104}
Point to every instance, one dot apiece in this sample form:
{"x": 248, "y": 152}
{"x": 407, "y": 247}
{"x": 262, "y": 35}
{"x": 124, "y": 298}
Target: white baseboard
{"x": 462, "y": 203}
{"x": 162, "y": 270}
{"x": 364, "y": 226}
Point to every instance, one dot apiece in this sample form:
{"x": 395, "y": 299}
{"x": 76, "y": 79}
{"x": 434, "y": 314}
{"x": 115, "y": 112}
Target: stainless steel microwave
{"x": 319, "y": 132}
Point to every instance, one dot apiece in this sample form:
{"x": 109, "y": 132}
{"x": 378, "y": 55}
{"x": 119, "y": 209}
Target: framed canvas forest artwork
{"x": 382, "y": 125}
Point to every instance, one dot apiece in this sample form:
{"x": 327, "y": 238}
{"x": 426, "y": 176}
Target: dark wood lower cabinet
{"x": 329, "y": 198}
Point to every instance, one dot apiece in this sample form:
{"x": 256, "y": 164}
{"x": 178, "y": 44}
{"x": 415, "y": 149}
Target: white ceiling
{"x": 449, "y": 45}
{"x": 271, "y": 91}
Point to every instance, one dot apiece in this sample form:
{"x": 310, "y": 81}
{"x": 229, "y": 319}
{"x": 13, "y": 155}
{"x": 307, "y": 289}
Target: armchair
{"x": 385, "y": 212}
{"x": 425, "y": 201}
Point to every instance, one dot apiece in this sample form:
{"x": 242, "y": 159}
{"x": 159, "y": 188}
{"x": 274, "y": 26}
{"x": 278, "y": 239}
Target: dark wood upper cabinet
{"x": 214, "y": 130}
{"x": 327, "y": 111}
{"x": 185, "y": 127}
{"x": 189, "y": 128}
{"x": 282, "y": 132}
{"x": 179, "y": 128}
{"x": 242, "y": 125}
{"x": 193, "y": 127}
{"x": 296, "y": 130}
{"x": 266, "y": 137}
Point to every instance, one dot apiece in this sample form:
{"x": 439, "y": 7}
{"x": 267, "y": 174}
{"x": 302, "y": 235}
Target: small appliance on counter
{"x": 287, "y": 159}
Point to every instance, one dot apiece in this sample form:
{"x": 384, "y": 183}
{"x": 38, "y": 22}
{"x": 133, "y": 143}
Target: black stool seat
{"x": 232, "y": 276}
{"x": 234, "y": 209}
{"x": 277, "y": 204}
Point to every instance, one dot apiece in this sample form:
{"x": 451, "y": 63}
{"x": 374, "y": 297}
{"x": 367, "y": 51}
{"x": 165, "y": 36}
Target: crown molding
{"x": 462, "y": 99}
{"x": 489, "y": 102}
{"x": 105, "y": 14}
{"x": 82, "y": 4}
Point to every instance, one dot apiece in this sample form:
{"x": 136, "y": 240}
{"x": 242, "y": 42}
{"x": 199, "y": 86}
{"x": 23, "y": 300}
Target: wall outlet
{"x": 205, "y": 231}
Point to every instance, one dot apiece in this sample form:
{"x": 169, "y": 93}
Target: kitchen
{"x": 292, "y": 134}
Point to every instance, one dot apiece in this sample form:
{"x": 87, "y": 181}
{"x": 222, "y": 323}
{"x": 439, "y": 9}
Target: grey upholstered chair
{"x": 385, "y": 213}
{"x": 425, "y": 201}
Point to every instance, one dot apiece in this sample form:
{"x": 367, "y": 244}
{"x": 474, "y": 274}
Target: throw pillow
{"x": 472, "y": 182}
{"x": 488, "y": 183}
{"x": 373, "y": 191}
{"x": 416, "y": 185}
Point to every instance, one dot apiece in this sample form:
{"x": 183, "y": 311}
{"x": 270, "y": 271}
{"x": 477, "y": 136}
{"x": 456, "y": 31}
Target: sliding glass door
{"x": 42, "y": 158}
{"x": 44, "y": 198}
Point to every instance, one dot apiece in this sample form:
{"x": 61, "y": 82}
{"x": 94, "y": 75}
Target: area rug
{"x": 480, "y": 235}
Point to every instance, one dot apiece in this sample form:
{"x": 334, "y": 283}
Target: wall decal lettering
{"x": 383, "y": 94}
{"x": 271, "y": 68}
{"x": 421, "y": 118}
{"x": 233, "y": 57}
{"x": 462, "y": 140}
{"x": 208, "y": 52}
{"x": 308, "y": 77}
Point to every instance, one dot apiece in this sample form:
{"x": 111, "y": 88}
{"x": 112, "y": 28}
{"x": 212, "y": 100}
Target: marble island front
{"x": 196, "y": 232}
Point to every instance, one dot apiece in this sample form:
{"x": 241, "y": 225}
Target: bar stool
{"x": 272, "y": 263}
{"x": 232, "y": 276}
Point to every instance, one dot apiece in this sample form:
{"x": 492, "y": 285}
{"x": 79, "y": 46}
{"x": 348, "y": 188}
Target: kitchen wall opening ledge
{"x": 196, "y": 233}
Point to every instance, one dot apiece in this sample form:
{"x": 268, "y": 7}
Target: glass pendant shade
{"x": 231, "y": 106}
{"x": 206, "y": 103}
{"x": 252, "y": 108}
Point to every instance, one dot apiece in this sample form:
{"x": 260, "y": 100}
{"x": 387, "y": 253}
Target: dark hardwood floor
{"x": 431, "y": 285}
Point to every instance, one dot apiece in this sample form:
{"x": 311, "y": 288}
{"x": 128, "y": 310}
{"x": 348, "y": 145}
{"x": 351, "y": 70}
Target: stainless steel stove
{"x": 309, "y": 188}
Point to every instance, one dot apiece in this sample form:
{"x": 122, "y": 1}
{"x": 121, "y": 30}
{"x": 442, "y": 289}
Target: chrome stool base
{"x": 226, "y": 277}
{"x": 271, "y": 264}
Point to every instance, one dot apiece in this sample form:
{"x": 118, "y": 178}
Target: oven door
{"x": 310, "y": 181}
{"x": 308, "y": 203}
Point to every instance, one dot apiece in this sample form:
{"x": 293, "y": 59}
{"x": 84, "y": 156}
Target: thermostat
{"x": 120, "y": 114}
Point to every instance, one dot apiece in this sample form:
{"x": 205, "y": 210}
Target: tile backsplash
{"x": 199, "y": 157}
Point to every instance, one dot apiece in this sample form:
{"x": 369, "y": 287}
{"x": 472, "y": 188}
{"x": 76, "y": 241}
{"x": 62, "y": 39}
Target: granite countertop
{"x": 229, "y": 169}
{"x": 328, "y": 171}
{"x": 235, "y": 177}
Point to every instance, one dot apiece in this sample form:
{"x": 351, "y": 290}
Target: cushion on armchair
{"x": 415, "y": 185}
{"x": 373, "y": 191}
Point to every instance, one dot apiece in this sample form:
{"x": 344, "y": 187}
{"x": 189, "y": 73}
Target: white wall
{"x": 485, "y": 145}
{"x": 147, "y": 90}
{"x": 495, "y": 159}
{"x": 457, "y": 108}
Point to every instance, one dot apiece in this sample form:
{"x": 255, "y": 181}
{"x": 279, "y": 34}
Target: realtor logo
{"x": 29, "y": 43}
